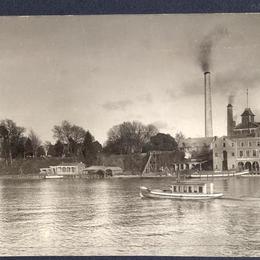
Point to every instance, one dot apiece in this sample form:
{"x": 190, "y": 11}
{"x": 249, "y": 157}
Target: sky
{"x": 99, "y": 71}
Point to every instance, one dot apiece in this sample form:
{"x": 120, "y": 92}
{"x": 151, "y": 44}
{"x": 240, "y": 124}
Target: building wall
{"x": 248, "y": 150}
{"x": 240, "y": 151}
{"x": 223, "y": 145}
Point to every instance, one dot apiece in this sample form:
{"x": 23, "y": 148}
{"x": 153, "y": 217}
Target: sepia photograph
{"x": 130, "y": 135}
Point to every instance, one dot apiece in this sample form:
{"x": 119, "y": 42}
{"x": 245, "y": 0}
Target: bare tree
{"x": 70, "y": 135}
{"x": 129, "y": 137}
{"x": 10, "y": 134}
{"x": 179, "y": 138}
{"x": 36, "y": 142}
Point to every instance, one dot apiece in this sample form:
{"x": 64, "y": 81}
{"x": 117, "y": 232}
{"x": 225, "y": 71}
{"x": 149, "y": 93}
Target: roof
{"x": 249, "y": 125}
{"x": 95, "y": 168}
{"x": 102, "y": 168}
{"x": 247, "y": 112}
{"x": 199, "y": 141}
{"x": 70, "y": 164}
{"x": 115, "y": 168}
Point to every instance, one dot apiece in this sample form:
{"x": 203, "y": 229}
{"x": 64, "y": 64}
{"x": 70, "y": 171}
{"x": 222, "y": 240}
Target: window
{"x": 249, "y": 143}
{"x": 232, "y": 144}
{"x": 216, "y": 167}
{"x": 190, "y": 190}
{"x": 247, "y": 153}
{"x": 233, "y": 154}
{"x": 200, "y": 189}
{"x": 258, "y": 143}
{"x": 233, "y": 166}
{"x": 242, "y": 144}
{"x": 216, "y": 154}
{"x": 174, "y": 188}
{"x": 254, "y": 153}
{"x": 224, "y": 144}
{"x": 241, "y": 153}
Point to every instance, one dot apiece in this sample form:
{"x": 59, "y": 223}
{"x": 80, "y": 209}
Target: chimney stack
{"x": 208, "y": 106}
{"x": 230, "y": 121}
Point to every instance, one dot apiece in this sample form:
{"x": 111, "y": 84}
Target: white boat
{"x": 53, "y": 177}
{"x": 217, "y": 174}
{"x": 182, "y": 190}
{"x": 250, "y": 175}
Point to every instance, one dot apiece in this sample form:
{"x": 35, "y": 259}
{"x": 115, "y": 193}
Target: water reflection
{"x": 107, "y": 217}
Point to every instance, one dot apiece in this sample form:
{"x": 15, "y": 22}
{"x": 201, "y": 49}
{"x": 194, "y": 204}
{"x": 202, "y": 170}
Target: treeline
{"x": 76, "y": 142}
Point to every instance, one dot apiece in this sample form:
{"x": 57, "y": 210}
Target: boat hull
{"x": 218, "y": 175}
{"x": 53, "y": 177}
{"x": 160, "y": 194}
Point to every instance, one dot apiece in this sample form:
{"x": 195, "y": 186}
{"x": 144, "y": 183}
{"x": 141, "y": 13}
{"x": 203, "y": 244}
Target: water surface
{"x": 107, "y": 217}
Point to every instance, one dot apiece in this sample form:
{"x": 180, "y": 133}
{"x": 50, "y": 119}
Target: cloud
{"x": 147, "y": 98}
{"x": 117, "y": 105}
{"x": 160, "y": 124}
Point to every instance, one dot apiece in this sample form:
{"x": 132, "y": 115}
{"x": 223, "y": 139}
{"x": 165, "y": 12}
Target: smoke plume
{"x": 205, "y": 47}
{"x": 231, "y": 99}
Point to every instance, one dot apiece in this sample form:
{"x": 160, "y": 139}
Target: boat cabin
{"x": 187, "y": 187}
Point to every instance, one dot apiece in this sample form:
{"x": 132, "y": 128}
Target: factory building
{"x": 240, "y": 149}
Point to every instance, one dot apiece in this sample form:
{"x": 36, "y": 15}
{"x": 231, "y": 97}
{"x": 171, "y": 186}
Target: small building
{"x": 103, "y": 171}
{"x": 64, "y": 169}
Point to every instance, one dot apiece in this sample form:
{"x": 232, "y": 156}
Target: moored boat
{"x": 218, "y": 174}
{"x": 182, "y": 190}
{"x": 53, "y": 177}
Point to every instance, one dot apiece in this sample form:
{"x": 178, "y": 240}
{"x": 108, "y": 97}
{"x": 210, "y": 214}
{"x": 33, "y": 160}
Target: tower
{"x": 208, "y": 106}
{"x": 230, "y": 122}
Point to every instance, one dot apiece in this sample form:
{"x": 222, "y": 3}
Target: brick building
{"x": 240, "y": 149}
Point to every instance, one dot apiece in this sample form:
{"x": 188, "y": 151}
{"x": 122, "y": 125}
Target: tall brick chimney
{"x": 208, "y": 105}
{"x": 230, "y": 122}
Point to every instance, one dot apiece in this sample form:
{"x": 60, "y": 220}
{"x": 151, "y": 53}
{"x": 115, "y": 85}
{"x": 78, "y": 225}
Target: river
{"x": 107, "y": 217}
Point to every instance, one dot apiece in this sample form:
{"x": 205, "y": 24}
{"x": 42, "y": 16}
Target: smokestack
{"x": 230, "y": 121}
{"x": 208, "y": 106}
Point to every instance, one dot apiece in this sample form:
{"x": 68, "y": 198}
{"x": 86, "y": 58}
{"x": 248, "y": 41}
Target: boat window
{"x": 200, "y": 189}
{"x": 190, "y": 190}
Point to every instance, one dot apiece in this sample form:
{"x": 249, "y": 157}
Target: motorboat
{"x": 183, "y": 191}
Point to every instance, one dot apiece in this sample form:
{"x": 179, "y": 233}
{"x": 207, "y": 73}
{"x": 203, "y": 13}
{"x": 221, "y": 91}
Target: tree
{"x": 59, "y": 149}
{"x": 35, "y": 141}
{"x": 97, "y": 146}
{"x": 71, "y": 136}
{"x": 129, "y": 137}
{"x": 11, "y": 135}
{"x": 179, "y": 138}
{"x": 40, "y": 151}
{"x": 49, "y": 149}
{"x": 161, "y": 142}
{"x": 89, "y": 151}
{"x": 28, "y": 151}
